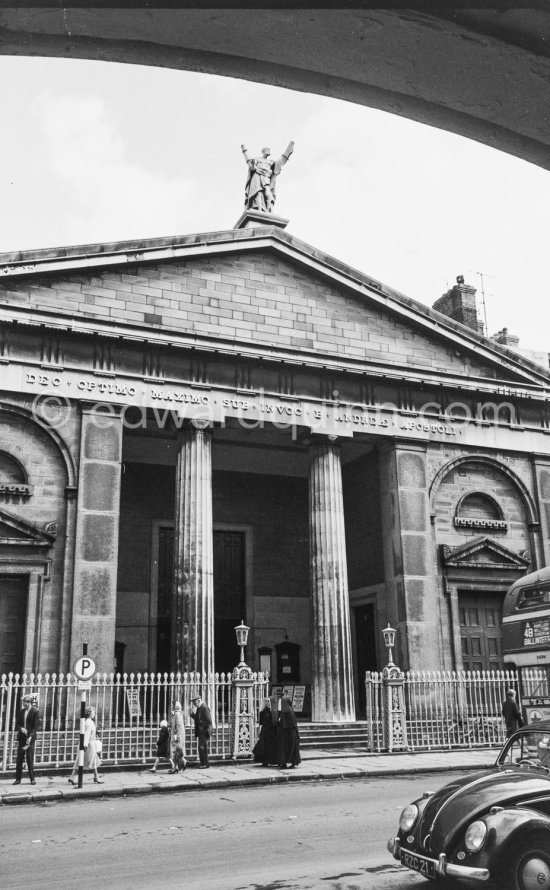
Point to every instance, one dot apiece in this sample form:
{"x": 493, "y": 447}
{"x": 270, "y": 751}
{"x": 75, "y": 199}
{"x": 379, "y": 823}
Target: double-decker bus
{"x": 526, "y": 640}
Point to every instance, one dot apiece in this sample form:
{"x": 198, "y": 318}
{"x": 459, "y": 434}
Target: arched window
{"x": 13, "y": 477}
{"x": 479, "y": 510}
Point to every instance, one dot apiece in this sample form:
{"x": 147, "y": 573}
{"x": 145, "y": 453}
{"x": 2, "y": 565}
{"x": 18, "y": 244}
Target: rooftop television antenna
{"x": 482, "y": 276}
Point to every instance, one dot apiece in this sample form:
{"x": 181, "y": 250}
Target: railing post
{"x": 394, "y": 719}
{"x": 242, "y": 729}
{"x": 7, "y": 734}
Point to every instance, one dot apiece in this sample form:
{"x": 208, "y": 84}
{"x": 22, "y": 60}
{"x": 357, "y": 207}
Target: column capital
{"x": 315, "y": 440}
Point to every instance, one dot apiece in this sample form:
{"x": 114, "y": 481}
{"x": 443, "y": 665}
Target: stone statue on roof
{"x": 261, "y": 179}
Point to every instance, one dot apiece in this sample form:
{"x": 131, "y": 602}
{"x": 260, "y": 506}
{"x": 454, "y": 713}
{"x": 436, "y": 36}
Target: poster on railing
{"x": 134, "y": 707}
{"x": 298, "y": 698}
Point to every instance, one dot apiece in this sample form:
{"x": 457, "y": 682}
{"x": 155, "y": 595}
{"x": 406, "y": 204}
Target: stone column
{"x": 193, "y": 597}
{"x": 332, "y": 697}
{"x": 96, "y": 545}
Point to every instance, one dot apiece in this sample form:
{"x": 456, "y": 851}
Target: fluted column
{"x": 332, "y": 681}
{"x": 193, "y": 603}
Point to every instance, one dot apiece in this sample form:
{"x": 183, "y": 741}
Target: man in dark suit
{"x": 203, "y": 724}
{"x": 26, "y": 726}
{"x": 511, "y": 713}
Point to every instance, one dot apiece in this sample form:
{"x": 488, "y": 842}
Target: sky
{"x": 98, "y": 152}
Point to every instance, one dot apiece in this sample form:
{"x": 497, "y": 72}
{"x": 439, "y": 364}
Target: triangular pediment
{"x": 484, "y": 553}
{"x": 275, "y": 290}
{"x": 15, "y": 531}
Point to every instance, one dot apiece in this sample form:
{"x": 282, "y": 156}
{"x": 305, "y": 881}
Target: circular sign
{"x": 84, "y": 667}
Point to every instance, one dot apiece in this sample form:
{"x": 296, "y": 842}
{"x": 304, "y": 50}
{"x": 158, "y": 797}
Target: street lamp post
{"x": 393, "y": 698}
{"x": 243, "y": 700}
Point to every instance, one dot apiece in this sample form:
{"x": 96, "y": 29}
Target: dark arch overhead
{"x": 483, "y": 73}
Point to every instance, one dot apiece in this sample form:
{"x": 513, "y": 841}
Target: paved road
{"x": 304, "y": 836}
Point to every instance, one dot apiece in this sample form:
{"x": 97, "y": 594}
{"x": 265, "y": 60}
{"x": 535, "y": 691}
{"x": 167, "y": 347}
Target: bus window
{"x": 526, "y": 641}
{"x": 533, "y": 599}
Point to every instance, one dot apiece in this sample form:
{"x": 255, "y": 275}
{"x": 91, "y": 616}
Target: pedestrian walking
{"x": 177, "y": 744}
{"x": 203, "y": 725}
{"x": 177, "y": 739}
{"x": 265, "y": 749}
{"x": 92, "y": 759}
{"x": 511, "y": 713}
{"x": 27, "y": 724}
{"x": 288, "y": 737}
{"x": 163, "y": 746}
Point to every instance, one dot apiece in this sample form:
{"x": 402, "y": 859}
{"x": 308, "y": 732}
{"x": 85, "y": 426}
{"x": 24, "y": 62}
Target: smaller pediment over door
{"x": 484, "y": 553}
{"x": 15, "y": 531}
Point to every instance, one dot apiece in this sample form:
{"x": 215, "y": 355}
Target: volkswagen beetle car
{"x": 490, "y": 826}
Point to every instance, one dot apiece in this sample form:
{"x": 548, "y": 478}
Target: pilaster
{"x": 413, "y": 596}
{"x": 96, "y": 544}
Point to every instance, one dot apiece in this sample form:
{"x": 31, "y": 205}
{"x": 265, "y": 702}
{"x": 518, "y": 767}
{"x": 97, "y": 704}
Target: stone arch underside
{"x": 481, "y": 73}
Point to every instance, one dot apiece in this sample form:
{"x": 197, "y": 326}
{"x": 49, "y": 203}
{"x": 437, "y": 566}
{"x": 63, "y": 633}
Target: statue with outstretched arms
{"x": 262, "y": 176}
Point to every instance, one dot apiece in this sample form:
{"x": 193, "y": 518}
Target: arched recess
{"x": 30, "y": 572}
{"x": 532, "y": 513}
{"x": 477, "y": 568}
{"x": 51, "y": 432}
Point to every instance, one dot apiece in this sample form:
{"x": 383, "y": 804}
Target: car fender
{"x": 508, "y": 825}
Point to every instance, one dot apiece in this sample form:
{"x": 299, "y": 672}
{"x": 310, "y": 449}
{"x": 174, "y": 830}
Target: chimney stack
{"x": 505, "y": 338}
{"x": 459, "y": 303}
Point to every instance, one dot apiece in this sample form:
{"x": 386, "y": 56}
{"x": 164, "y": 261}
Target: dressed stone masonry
{"x": 236, "y": 426}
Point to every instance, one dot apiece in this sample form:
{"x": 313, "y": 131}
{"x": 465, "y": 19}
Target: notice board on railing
{"x": 134, "y": 707}
{"x": 296, "y": 694}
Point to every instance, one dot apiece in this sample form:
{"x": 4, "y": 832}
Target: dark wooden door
{"x": 164, "y": 597}
{"x": 365, "y": 650}
{"x": 229, "y": 596}
{"x": 13, "y": 615}
{"x": 481, "y": 631}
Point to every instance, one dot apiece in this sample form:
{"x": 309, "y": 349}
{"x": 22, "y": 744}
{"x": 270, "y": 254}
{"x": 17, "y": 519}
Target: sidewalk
{"x": 316, "y": 766}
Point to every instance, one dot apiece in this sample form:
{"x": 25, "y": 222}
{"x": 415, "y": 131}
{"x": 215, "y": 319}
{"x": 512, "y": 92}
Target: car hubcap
{"x": 535, "y": 874}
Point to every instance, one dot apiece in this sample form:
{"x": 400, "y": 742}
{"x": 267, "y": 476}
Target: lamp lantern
{"x": 389, "y": 640}
{"x": 242, "y": 637}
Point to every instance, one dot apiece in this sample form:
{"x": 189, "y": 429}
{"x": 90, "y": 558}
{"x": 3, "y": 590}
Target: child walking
{"x": 163, "y": 746}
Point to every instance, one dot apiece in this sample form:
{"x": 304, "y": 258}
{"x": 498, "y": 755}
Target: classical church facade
{"x": 235, "y": 426}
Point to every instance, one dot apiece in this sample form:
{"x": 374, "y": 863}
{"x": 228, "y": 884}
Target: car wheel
{"x": 531, "y": 868}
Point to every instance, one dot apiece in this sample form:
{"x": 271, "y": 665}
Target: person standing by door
{"x": 27, "y": 725}
{"x": 203, "y": 724}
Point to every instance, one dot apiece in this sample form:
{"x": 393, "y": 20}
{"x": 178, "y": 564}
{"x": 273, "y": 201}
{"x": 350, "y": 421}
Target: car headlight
{"x": 475, "y": 836}
{"x": 408, "y": 817}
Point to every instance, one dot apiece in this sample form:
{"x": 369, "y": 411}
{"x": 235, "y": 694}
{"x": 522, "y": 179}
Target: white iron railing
{"x": 129, "y": 708}
{"x": 447, "y": 709}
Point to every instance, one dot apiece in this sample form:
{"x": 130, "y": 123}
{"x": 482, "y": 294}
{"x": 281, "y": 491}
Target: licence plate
{"x": 418, "y": 863}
